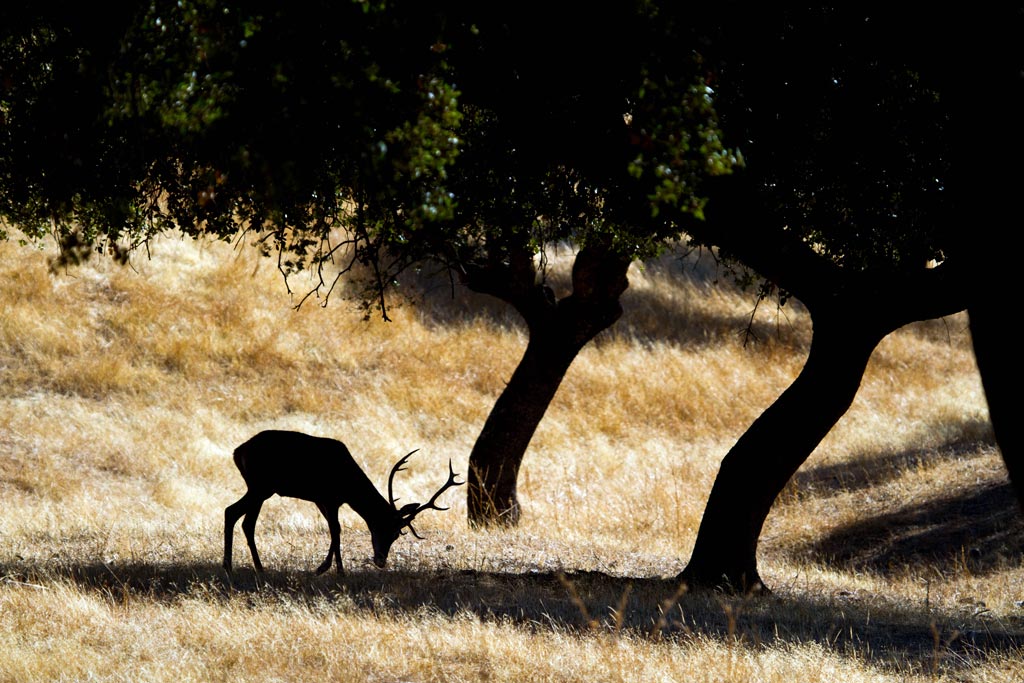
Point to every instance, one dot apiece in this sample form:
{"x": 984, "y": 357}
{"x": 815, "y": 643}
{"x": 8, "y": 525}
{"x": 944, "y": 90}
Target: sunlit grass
{"x": 895, "y": 554}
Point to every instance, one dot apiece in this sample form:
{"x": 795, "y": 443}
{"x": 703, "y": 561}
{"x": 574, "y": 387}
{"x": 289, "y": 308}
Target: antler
{"x": 399, "y": 466}
{"x": 410, "y": 512}
{"x": 447, "y": 485}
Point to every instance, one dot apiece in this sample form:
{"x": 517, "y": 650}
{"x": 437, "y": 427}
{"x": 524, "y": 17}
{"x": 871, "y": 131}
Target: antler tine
{"x": 429, "y": 505}
{"x": 399, "y": 467}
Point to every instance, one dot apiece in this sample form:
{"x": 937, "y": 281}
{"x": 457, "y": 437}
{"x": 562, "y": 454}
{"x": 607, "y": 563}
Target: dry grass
{"x": 895, "y": 553}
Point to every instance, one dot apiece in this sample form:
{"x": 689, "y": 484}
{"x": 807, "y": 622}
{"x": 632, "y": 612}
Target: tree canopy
{"x": 304, "y": 122}
{"x": 210, "y": 118}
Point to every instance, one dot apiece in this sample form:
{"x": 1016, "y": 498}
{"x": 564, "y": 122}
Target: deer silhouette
{"x": 320, "y": 470}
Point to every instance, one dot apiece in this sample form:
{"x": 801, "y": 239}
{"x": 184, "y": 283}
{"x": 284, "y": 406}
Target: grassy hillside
{"x": 895, "y": 554}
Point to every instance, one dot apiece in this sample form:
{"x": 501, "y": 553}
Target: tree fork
{"x": 557, "y": 333}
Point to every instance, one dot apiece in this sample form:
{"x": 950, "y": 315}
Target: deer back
{"x": 297, "y": 465}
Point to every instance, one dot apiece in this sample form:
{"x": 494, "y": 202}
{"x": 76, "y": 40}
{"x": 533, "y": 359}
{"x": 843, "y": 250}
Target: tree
{"x": 447, "y": 133}
{"x": 578, "y": 139}
{"x": 859, "y": 170}
{"x": 993, "y": 251}
{"x": 202, "y": 117}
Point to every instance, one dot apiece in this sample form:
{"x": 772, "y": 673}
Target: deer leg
{"x": 251, "y": 509}
{"x": 334, "y": 551}
{"x": 231, "y": 515}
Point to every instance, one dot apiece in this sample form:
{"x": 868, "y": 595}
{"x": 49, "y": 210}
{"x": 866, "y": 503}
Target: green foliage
{"x": 390, "y": 134}
{"x": 61, "y": 160}
{"x": 577, "y": 129}
{"x": 399, "y": 132}
{"x": 211, "y": 117}
{"x": 678, "y": 157}
{"x": 429, "y": 146}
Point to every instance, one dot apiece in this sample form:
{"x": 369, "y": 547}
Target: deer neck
{"x": 371, "y": 506}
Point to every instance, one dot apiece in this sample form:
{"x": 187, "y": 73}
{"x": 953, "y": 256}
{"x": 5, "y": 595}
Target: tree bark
{"x": 757, "y": 468}
{"x": 992, "y": 247}
{"x": 558, "y": 331}
{"x": 999, "y": 361}
{"x": 498, "y": 453}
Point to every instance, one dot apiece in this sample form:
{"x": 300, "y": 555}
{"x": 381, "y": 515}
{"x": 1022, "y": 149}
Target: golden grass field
{"x": 894, "y": 555}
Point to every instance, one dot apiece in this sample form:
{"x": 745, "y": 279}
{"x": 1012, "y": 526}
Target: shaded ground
{"x": 888, "y": 636}
{"x": 874, "y": 469}
{"x": 979, "y": 527}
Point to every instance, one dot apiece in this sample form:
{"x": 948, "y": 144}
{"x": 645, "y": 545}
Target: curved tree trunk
{"x": 558, "y": 330}
{"x": 1001, "y": 364}
{"x": 992, "y": 247}
{"x": 756, "y": 469}
{"x": 495, "y": 459}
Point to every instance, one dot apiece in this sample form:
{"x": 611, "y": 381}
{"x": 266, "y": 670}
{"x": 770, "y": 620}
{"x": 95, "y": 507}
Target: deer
{"x": 322, "y": 471}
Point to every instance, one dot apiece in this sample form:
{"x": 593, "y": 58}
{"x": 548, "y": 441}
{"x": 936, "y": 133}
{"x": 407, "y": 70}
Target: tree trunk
{"x": 495, "y": 459}
{"x": 997, "y": 352}
{"x": 757, "y": 468}
{"x": 992, "y": 246}
{"x": 558, "y": 331}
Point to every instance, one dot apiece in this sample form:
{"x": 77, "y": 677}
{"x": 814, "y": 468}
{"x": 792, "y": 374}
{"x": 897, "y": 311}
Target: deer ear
{"x": 408, "y": 509}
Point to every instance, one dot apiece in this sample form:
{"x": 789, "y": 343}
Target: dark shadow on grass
{"x": 891, "y": 637}
{"x": 977, "y": 530}
{"x": 866, "y": 471}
